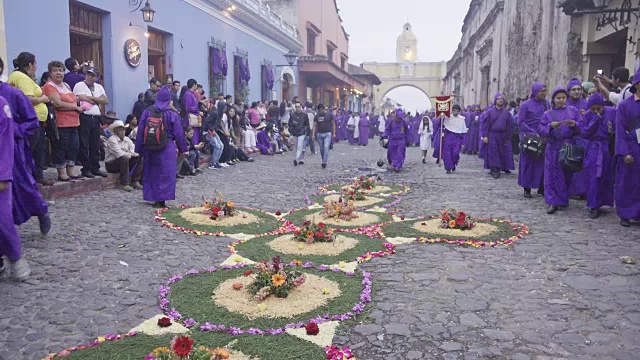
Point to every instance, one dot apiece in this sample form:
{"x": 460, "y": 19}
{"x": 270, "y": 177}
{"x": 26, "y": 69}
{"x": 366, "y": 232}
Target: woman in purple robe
{"x": 27, "y": 200}
{"x": 363, "y": 126}
{"x": 597, "y": 122}
{"x": 437, "y": 135}
{"x": 159, "y": 170}
{"x": 472, "y": 136}
{"x": 496, "y": 131}
{"x": 373, "y": 126}
{"x": 559, "y": 126}
{"x": 530, "y": 113}
{"x": 190, "y": 108}
{"x": 397, "y": 132}
{"x": 263, "y": 143}
{"x": 628, "y": 152}
{"x": 454, "y": 131}
{"x": 579, "y": 182}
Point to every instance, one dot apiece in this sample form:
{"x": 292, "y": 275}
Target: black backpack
{"x": 155, "y": 132}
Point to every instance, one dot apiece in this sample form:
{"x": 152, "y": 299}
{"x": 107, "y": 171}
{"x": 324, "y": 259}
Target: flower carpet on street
{"x": 291, "y": 279}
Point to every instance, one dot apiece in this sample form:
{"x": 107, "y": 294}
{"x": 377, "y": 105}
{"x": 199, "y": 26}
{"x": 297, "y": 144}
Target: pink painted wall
{"x": 324, "y": 15}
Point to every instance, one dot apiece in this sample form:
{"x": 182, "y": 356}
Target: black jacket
{"x": 299, "y": 123}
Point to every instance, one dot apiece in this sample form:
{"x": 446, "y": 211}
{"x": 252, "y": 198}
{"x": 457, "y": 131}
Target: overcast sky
{"x": 374, "y": 26}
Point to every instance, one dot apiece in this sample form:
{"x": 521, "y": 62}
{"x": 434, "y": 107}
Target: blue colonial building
{"x": 229, "y": 46}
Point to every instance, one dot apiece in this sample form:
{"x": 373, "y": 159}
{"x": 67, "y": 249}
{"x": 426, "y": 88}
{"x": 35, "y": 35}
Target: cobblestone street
{"x": 562, "y": 292}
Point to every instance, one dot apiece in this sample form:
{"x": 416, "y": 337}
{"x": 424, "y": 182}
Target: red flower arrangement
{"x": 218, "y": 207}
{"x": 452, "y": 219}
{"x": 247, "y": 273}
{"x": 182, "y": 346}
{"x": 312, "y": 329}
{"x": 312, "y": 232}
{"x": 164, "y": 322}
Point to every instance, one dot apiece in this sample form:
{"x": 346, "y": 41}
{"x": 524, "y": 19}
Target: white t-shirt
{"x": 81, "y": 88}
{"x": 623, "y": 95}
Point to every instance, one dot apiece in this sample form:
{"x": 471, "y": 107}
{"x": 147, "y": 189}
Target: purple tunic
{"x": 579, "y": 182}
{"x": 415, "y": 127}
{"x": 498, "y": 127}
{"x": 263, "y": 143}
{"x": 191, "y": 108}
{"x": 27, "y": 200}
{"x": 437, "y": 137}
{"x": 398, "y": 134}
{"x": 628, "y": 176}
{"x": 472, "y": 140}
{"x": 556, "y": 179}
{"x": 159, "y": 171}
{"x": 481, "y": 145}
{"x": 9, "y": 238}
{"x": 531, "y": 169}
{"x": 451, "y": 147}
{"x": 598, "y": 162}
{"x": 364, "y": 130}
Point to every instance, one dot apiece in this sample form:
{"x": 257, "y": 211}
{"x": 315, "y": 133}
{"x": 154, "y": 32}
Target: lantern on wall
{"x": 147, "y": 13}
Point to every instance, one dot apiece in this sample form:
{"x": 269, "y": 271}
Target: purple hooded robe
{"x": 579, "y": 182}
{"x": 263, "y": 143}
{"x": 556, "y": 179}
{"x": 397, "y": 132}
{"x": 628, "y": 143}
{"x": 437, "y": 136}
{"x": 531, "y": 168}
{"x": 364, "y": 130}
{"x": 472, "y": 140}
{"x": 191, "y": 108}
{"x": 27, "y": 200}
{"x": 159, "y": 171}
{"x": 598, "y": 162}
{"x": 415, "y": 127}
{"x": 498, "y": 127}
{"x": 9, "y": 238}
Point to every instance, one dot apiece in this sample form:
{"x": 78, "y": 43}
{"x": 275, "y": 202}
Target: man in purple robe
{"x": 559, "y": 126}
{"x": 10, "y": 245}
{"x": 415, "y": 127}
{"x": 496, "y": 130}
{"x": 454, "y": 131}
{"x": 27, "y": 200}
{"x": 363, "y": 127}
{"x": 579, "y": 183}
{"x": 438, "y": 124}
{"x": 397, "y": 132}
{"x": 191, "y": 109}
{"x": 159, "y": 171}
{"x": 472, "y": 138}
{"x": 627, "y": 126}
{"x": 596, "y": 125}
{"x": 531, "y": 168}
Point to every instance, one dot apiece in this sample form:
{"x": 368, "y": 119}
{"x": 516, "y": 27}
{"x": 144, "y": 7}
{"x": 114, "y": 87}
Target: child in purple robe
{"x": 10, "y": 244}
{"x": 559, "y": 126}
{"x": 596, "y": 125}
{"x": 160, "y": 166}
{"x": 627, "y": 125}
{"x": 496, "y": 131}
{"x": 530, "y": 113}
{"x": 398, "y": 134}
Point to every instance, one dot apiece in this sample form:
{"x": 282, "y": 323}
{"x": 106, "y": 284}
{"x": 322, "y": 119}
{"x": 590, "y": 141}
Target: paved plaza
{"x": 560, "y": 293}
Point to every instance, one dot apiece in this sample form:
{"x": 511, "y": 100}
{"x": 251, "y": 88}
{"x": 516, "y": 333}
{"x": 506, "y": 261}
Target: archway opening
{"x": 410, "y": 98}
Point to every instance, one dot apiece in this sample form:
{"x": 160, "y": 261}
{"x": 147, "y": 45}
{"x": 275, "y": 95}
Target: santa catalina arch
{"x": 407, "y": 70}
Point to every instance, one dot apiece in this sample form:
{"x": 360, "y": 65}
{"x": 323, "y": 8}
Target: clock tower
{"x": 407, "y": 46}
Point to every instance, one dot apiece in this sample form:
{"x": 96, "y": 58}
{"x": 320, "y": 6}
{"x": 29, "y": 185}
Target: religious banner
{"x": 443, "y": 105}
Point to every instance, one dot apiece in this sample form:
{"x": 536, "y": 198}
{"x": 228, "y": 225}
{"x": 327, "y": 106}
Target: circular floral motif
{"x": 287, "y": 245}
{"x": 315, "y": 292}
{"x": 389, "y": 189}
{"x": 433, "y": 227}
{"x": 191, "y": 220}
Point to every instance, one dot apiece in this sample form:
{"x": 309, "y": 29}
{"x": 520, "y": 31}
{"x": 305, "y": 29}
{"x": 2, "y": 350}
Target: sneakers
{"x": 448, "y": 171}
{"x": 99, "y": 173}
{"x": 324, "y": 166}
{"x": 198, "y": 171}
{"x": 213, "y": 167}
{"x": 527, "y": 193}
{"x": 552, "y": 209}
{"x": 45, "y": 224}
{"x": 224, "y": 165}
{"x": 295, "y": 162}
{"x": 126, "y": 188}
{"x": 19, "y": 270}
{"x": 88, "y": 175}
{"x": 625, "y": 223}
{"x": 136, "y": 185}
{"x": 300, "y": 162}
{"x": 594, "y": 213}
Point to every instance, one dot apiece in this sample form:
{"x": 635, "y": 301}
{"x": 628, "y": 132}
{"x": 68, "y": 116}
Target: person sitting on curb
{"x": 120, "y": 157}
{"x": 191, "y": 166}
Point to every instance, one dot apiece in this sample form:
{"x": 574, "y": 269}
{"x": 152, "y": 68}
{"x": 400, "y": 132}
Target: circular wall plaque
{"x": 132, "y": 52}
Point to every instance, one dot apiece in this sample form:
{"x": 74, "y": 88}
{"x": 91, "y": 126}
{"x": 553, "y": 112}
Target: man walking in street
{"x": 299, "y": 127}
{"x": 497, "y": 129}
{"x": 324, "y": 128}
{"x": 312, "y": 116}
{"x": 93, "y": 94}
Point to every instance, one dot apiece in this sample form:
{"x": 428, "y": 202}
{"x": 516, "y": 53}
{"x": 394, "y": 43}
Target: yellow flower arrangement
{"x": 161, "y": 350}
{"x": 221, "y": 353}
{"x": 277, "y": 280}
